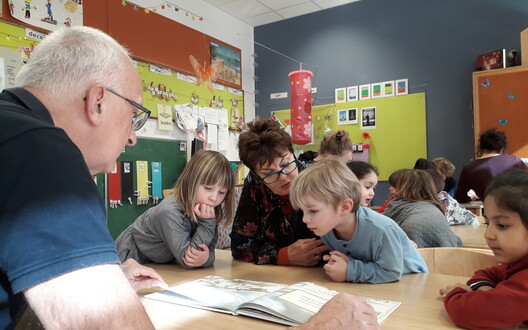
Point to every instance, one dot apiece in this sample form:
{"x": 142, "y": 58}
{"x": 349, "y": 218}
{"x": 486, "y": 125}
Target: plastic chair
{"x": 457, "y": 261}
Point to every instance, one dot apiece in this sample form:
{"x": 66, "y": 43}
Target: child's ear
{"x": 346, "y": 207}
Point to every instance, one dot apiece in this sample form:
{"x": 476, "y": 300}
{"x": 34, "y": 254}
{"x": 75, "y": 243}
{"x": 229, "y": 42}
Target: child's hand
{"x": 204, "y": 211}
{"x": 337, "y": 254}
{"x": 196, "y": 258}
{"x": 336, "y": 267}
{"x": 449, "y": 288}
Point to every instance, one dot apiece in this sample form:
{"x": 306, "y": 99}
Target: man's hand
{"x": 141, "y": 277}
{"x": 196, "y": 258}
{"x": 204, "y": 211}
{"x": 343, "y": 311}
{"x": 306, "y": 252}
{"x": 336, "y": 268}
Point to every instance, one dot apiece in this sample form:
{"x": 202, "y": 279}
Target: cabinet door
{"x": 501, "y": 101}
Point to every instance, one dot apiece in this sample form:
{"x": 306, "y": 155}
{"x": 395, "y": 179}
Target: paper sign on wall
{"x": 164, "y": 117}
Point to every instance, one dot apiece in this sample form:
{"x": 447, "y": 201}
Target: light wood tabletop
{"x": 421, "y": 305}
{"x": 471, "y": 236}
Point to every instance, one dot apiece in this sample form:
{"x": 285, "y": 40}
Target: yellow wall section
{"x": 398, "y": 140}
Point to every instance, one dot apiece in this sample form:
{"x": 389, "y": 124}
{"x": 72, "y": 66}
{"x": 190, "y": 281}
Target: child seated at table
{"x": 367, "y": 176}
{"x": 455, "y": 213}
{"x": 394, "y": 183}
{"x": 183, "y": 228}
{"x": 367, "y": 246}
{"x": 419, "y": 213}
{"x": 495, "y": 297}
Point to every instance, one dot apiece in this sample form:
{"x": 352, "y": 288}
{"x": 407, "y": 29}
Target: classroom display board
{"x": 396, "y": 125}
{"x": 501, "y": 101}
{"x": 171, "y": 154}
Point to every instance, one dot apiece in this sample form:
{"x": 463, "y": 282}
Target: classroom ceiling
{"x": 260, "y": 12}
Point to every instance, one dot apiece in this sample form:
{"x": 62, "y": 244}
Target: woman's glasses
{"x": 286, "y": 169}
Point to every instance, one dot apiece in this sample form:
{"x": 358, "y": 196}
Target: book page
{"x": 217, "y": 292}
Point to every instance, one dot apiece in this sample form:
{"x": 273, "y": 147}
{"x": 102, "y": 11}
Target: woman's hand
{"x": 306, "y": 252}
{"x": 196, "y": 258}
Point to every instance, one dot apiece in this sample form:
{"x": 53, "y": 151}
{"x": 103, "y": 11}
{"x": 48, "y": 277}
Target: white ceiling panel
{"x": 298, "y": 10}
{"x": 260, "y": 12}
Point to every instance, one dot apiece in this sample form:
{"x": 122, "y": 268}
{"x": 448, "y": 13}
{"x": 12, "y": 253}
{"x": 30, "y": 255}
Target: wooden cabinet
{"x": 500, "y": 99}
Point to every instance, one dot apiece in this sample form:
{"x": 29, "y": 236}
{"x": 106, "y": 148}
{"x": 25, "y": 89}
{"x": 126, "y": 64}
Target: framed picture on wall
{"x": 402, "y": 86}
{"x": 364, "y": 92}
{"x": 230, "y": 70}
{"x": 387, "y": 88}
{"x": 376, "y": 90}
{"x": 347, "y": 116}
{"x": 352, "y": 116}
{"x": 352, "y": 93}
{"x": 340, "y": 95}
{"x": 368, "y": 118}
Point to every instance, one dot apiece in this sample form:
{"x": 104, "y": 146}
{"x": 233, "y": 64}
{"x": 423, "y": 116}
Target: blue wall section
{"x": 432, "y": 43}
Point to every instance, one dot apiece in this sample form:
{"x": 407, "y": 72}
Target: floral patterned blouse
{"x": 262, "y": 226}
{"x": 455, "y": 213}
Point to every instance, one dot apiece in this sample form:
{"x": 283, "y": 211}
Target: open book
{"x": 286, "y": 304}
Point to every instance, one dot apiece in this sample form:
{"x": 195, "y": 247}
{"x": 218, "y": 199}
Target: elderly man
{"x": 78, "y": 106}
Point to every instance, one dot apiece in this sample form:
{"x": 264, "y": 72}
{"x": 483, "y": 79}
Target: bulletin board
{"x": 501, "y": 101}
{"x": 184, "y": 90}
{"x": 400, "y": 136}
{"x": 173, "y": 161}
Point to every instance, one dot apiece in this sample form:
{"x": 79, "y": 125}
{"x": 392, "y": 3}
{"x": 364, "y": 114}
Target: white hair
{"x": 71, "y": 60}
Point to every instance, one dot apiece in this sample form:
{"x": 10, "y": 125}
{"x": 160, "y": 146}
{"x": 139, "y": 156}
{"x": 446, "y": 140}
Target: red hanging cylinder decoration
{"x": 301, "y": 106}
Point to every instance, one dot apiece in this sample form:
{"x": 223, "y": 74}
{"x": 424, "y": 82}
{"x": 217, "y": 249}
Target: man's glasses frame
{"x": 141, "y": 117}
{"x": 268, "y": 179}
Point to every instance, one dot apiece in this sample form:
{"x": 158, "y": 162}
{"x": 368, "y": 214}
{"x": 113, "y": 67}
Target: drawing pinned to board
{"x": 340, "y": 95}
{"x": 352, "y": 93}
{"x": 387, "y": 88}
{"x": 347, "y": 116}
{"x": 364, "y": 92}
{"x": 49, "y": 15}
{"x": 230, "y": 58}
{"x": 402, "y": 86}
{"x": 503, "y": 122}
{"x": 368, "y": 118}
{"x": 511, "y": 96}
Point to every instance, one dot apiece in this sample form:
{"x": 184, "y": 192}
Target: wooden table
{"x": 471, "y": 236}
{"x": 476, "y": 207}
{"x": 421, "y": 305}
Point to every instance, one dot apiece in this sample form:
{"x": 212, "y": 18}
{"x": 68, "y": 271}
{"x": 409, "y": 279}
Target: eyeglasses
{"x": 140, "y": 118}
{"x": 286, "y": 169}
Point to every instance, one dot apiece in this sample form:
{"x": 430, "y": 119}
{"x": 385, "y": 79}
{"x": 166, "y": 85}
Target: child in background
{"x": 455, "y": 213}
{"x": 495, "y": 297}
{"x": 446, "y": 170}
{"x": 419, "y": 212}
{"x": 367, "y": 246}
{"x": 183, "y": 228}
{"x": 394, "y": 183}
{"x": 368, "y": 179}
{"x": 336, "y": 143}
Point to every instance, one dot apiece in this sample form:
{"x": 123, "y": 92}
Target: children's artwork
{"x": 230, "y": 71}
{"x": 340, "y": 95}
{"x": 352, "y": 93}
{"x": 164, "y": 117}
{"x": 368, "y": 118}
{"x": 364, "y": 92}
{"x": 347, "y": 116}
{"x": 376, "y": 90}
{"x": 48, "y": 14}
{"x": 207, "y": 75}
{"x": 387, "y": 88}
{"x": 402, "y": 86}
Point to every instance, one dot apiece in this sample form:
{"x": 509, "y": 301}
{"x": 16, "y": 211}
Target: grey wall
{"x": 432, "y": 43}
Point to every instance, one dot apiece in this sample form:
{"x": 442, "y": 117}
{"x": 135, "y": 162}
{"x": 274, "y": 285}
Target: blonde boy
{"x": 366, "y": 246}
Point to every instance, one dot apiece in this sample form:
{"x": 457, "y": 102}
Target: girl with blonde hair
{"x": 183, "y": 228}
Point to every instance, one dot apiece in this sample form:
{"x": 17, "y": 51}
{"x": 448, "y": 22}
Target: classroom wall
{"x": 432, "y": 43}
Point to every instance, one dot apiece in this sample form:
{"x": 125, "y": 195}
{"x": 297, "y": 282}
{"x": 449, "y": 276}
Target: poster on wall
{"x": 48, "y": 14}
{"x": 347, "y": 116}
{"x": 230, "y": 71}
